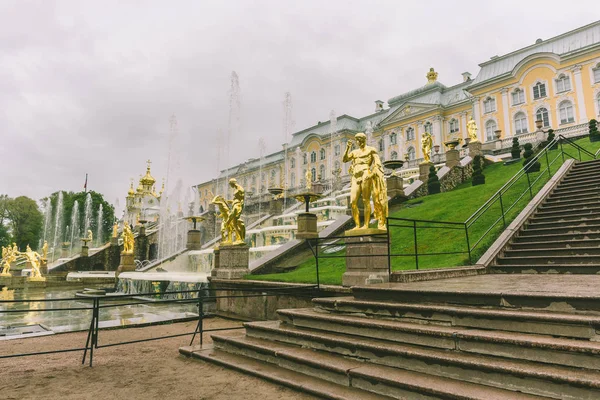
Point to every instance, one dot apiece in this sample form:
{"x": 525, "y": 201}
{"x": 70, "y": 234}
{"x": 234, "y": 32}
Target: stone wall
{"x": 449, "y": 178}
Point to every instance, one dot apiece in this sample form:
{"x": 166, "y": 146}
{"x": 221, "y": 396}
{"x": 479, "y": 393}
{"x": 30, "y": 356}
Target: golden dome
{"x": 148, "y": 180}
{"x": 131, "y": 192}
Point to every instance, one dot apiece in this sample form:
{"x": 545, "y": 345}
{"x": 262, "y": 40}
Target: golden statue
{"x": 308, "y": 178}
{"x": 472, "y": 129}
{"x": 431, "y": 76}
{"x": 128, "y": 239}
{"x": 367, "y": 180}
{"x": 8, "y": 256}
{"x": 115, "y": 232}
{"x": 90, "y": 236}
{"x": 45, "y": 250}
{"x": 426, "y": 145}
{"x": 230, "y": 212}
{"x": 34, "y": 259}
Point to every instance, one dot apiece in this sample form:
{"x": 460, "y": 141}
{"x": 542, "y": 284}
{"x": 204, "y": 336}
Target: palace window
{"x": 337, "y": 165}
{"x": 518, "y": 97}
{"x": 489, "y": 105}
{"x": 563, "y": 83}
{"x": 410, "y": 134}
{"x": 304, "y": 158}
{"x": 313, "y": 157}
{"x": 428, "y": 127}
{"x": 381, "y": 145}
{"x": 253, "y": 179}
{"x": 598, "y": 101}
{"x": 336, "y": 149}
{"x": 273, "y": 174}
{"x": 453, "y": 125}
{"x": 322, "y": 154}
{"x": 393, "y": 138}
{"x": 565, "y": 111}
{"x": 293, "y": 163}
{"x": 520, "y": 123}
{"x": 596, "y": 73}
{"x": 490, "y": 128}
{"x": 394, "y": 155}
{"x": 313, "y": 172}
{"x": 539, "y": 90}
{"x": 293, "y": 179}
{"x": 245, "y": 181}
{"x": 542, "y": 115}
{"x": 411, "y": 153}
{"x": 322, "y": 172}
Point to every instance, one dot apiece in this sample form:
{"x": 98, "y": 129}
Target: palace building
{"x": 555, "y": 81}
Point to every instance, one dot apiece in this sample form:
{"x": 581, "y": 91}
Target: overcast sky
{"x": 89, "y": 86}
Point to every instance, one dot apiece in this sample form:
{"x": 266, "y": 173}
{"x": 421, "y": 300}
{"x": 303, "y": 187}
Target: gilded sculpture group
{"x": 230, "y": 212}
{"x": 11, "y": 254}
{"x": 427, "y": 140}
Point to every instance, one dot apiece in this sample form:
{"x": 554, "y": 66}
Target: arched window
{"x": 313, "y": 172}
{"x": 520, "y": 123}
{"x": 489, "y": 105}
{"x": 381, "y": 145}
{"x": 563, "y": 83}
{"x": 411, "y": 153}
{"x": 322, "y": 154}
{"x": 565, "y": 111}
{"x": 393, "y": 138}
{"x": 304, "y": 158}
{"x": 598, "y": 101}
{"x": 490, "y": 128}
{"x": 518, "y": 96}
{"x": 539, "y": 90}
{"x": 394, "y": 155}
{"x": 428, "y": 127}
{"x": 293, "y": 163}
{"x": 293, "y": 180}
{"x": 273, "y": 173}
{"x": 322, "y": 172}
{"x": 596, "y": 73}
{"x": 313, "y": 157}
{"x": 410, "y": 134}
{"x": 542, "y": 115}
{"x": 454, "y": 125}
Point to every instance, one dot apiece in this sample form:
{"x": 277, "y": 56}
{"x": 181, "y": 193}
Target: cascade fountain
{"x": 75, "y": 235}
{"x": 99, "y": 231}
{"x": 58, "y": 221}
{"x": 87, "y": 214}
{"x": 234, "y": 123}
{"x": 47, "y": 221}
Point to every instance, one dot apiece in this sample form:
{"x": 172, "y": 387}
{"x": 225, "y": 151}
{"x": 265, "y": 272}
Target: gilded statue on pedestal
{"x": 367, "y": 181}
{"x": 426, "y": 145}
{"x": 9, "y": 255}
{"x": 34, "y": 259}
{"x": 128, "y": 239}
{"x": 308, "y": 178}
{"x": 45, "y": 250}
{"x": 230, "y": 213}
{"x": 472, "y": 129}
{"x": 115, "y": 231}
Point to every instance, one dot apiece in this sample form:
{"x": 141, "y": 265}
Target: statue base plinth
{"x": 5, "y": 274}
{"x": 194, "y": 240}
{"x": 275, "y": 206}
{"x": 114, "y": 241}
{"x": 474, "y": 149}
{"x": 364, "y": 232}
{"x": 424, "y": 171}
{"x": 231, "y": 262}
{"x": 307, "y": 226}
{"x": 44, "y": 267}
{"x": 366, "y": 260}
{"x": 395, "y": 187}
{"x": 127, "y": 263}
{"x": 452, "y": 158}
{"x": 85, "y": 251}
{"x": 36, "y": 279}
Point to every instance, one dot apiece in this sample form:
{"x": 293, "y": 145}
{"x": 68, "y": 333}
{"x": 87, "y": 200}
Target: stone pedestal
{"x": 424, "y": 171}
{"x": 452, "y": 158}
{"x": 395, "y": 187}
{"x": 372, "y": 268}
{"x": 114, "y": 241}
{"x": 127, "y": 263}
{"x": 275, "y": 206}
{"x": 307, "y": 226}
{"x": 231, "y": 262}
{"x": 85, "y": 251}
{"x": 194, "y": 240}
{"x": 44, "y": 267}
{"x": 64, "y": 252}
{"x": 474, "y": 149}
{"x": 317, "y": 187}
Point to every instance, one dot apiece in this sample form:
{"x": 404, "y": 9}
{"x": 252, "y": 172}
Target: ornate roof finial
{"x": 131, "y": 192}
{"x": 431, "y": 76}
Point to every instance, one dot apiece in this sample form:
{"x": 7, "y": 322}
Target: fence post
{"x": 468, "y": 244}
{"x": 389, "y": 251}
{"x": 529, "y": 184}
{"x": 199, "y": 325}
{"x": 548, "y": 163}
{"x": 416, "y": 247}
{"x": 317, "y": 261}
{"x": 502, "y": 210}
{"x": 90, "y": 333}
{"x": 562, "y": 153}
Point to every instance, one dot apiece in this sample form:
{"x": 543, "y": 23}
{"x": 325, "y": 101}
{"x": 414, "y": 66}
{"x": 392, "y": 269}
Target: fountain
{"x": 74, "y": 226}
{"x": 99, "y": 230}
{"x": 58, "y": 221}
{"x": 234, "y": 122}
{"x": 87, "y": 213}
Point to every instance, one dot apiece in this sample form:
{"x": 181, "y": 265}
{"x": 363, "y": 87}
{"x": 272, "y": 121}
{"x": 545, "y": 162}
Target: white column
{"x": 507, "y": 131}
{"x": 463, "y": 125}
{"x": 580, "y": 98}
{"x": 418, "y": 133}
{"x": 298, "y": 163}
{"x": 388, "y": 144}
{"x": 477, "y": 117}
{"x": 437, "y": 133}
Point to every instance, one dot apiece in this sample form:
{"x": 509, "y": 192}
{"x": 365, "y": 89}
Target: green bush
{"x": 478, "y": 177}
{"x": 593, "y": 130}
{"x": 551, "y": 136}
{"x": 515, "y": 151}
{"x": 528, "y": 155}
{"x": 433, "y": 183}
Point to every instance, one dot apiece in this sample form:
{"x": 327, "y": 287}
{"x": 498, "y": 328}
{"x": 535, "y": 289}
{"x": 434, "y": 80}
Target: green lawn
{"x": 454, "y": 206}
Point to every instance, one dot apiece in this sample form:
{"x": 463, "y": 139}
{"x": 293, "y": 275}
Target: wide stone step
{"x": 567, "y": 213}
{"x": 589, "y": 189}
{"x": 581, "y": 229}
{"x": 514, "y": 268}
{"x": 549, "y": 236}
{"x": 524, "y": 376}
{"x": 532, "y": 299}
{"x": 519, "y": 346}
{"x": 590, "y": 183}
{"x": 574, "y": 223}
{"x": 566, "y": 198}
{"x": 569, "y": 325}
{"x": 585, "y": 165}
{"x": 542, "y": 245}
{"x": 571, "y": 206}
{"x": 512, "y": 257}
{"x": 362, "y": 380}
{"x": 581, "y": 174}
{"x": 285, "y": 377}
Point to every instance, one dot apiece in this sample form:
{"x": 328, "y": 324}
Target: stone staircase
{"x": 564, "y": 234}
{"x": 504, "y": 335}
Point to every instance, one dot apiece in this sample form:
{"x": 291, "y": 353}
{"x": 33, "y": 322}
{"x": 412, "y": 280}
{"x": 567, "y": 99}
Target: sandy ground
{"x": 148, "y": 370}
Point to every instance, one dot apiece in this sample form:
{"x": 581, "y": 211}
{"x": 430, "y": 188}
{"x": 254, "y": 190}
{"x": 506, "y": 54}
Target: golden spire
{"x": 431, "y": 76}
{"x": 140, "y": 188}
{"x": 148, "y": 180}
{"x": 131, "y": 192}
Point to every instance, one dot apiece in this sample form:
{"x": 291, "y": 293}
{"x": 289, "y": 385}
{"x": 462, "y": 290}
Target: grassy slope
{"x": 457, "y": 206}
